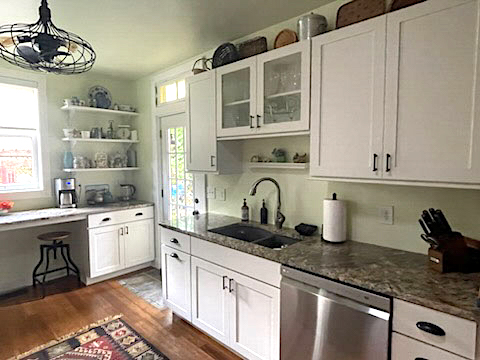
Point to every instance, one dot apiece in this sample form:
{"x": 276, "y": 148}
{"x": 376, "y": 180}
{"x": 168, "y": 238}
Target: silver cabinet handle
{"x": 212, "y": 160}
{"x": 223, "y": 282}
{"x": 173, "y": 255}
{"x": 230, "y": 285}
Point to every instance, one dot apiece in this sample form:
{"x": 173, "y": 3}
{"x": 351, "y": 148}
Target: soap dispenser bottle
{"x": 263, "y": 213}
{"x": 245, "y": 211}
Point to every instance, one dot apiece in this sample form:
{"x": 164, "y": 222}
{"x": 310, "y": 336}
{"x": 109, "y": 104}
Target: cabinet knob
{"x": 106, "y": 219}
{"x": 174, "y": 241}
{"x": 420, "y": 358}
{"x": 139, "y": 214}
{"x": 430, "y": 328}
{"x": 173, "y": 255}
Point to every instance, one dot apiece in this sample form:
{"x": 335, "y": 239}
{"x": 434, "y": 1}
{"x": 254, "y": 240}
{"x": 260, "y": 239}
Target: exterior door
{"x": 283, "y": 83}
{"x": 139, "y": 242}
{"x": 176, "y": 281}
{"x": 210, "y": 299}
{"x": 236, "y": 98}
{"x": 348, "y": 75}
{"x": 201, "y": 132}
{"x": 106, "y": 250}
{"x": 254, "y": 319}
{"x": 432, "y": 126}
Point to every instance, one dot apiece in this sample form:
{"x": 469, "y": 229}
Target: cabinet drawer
{"x": 120, "y": 216}
{"x": 405, "y": 348}
{"x": 176, "y": 240}
{"x": 460, "y": 334}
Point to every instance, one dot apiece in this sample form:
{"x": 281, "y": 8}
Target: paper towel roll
{"x": 334, "y": 220}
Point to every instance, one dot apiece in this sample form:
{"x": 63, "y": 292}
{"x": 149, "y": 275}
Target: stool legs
{"x": 75, "y": 268}
{"x": 34, "y": 275}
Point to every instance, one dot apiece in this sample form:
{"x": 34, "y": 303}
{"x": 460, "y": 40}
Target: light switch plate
{"x": 385, "y": 214}
{"x": 210, "y": 192}
{"x": 220, "y": 194}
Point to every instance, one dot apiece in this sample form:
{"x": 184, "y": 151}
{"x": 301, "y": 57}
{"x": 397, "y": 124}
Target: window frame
{"x": 175, "y": 81}
{"x": 41, "y": 161}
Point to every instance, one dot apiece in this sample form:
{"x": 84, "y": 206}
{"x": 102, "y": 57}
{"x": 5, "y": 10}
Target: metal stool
{"x": 57, "y": 243}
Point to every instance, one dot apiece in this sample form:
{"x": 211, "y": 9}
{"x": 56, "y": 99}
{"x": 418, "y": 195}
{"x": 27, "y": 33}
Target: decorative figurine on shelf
{"x": 300, "y": 158}
{"x": 279, "y": 155}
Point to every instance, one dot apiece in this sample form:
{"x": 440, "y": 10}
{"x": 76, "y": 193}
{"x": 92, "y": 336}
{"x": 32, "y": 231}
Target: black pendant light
{"x": 44, "y": 47}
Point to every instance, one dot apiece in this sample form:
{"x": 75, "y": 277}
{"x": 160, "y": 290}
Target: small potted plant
{"x": 5, "y": 207}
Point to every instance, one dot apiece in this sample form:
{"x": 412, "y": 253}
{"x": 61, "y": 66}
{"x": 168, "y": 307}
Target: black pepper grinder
{"x": 263, "y": 214}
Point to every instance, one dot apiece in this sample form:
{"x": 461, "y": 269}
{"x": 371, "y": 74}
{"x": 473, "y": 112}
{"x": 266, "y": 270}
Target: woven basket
{"x": 359, "y": 10}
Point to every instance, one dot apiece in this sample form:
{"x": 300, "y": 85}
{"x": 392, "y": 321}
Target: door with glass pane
{"x": 236, "y": 98}
{"x": 284, "y": 89}
{"x": 183, "y": 192}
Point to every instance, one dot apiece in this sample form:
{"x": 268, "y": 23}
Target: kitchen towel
{"x": 334, "y": 220}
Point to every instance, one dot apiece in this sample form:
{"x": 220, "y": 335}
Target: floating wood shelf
{"x": 87, "y": 109}
{"x": 112, "y": 141}
{"x": 101, "y": 169}
{"x": 273, "y": 165}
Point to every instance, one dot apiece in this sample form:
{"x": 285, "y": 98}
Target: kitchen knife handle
{"x": 375, "y": 157}
{"x": 430, "y": 328}
{"x": 387, "y": 163}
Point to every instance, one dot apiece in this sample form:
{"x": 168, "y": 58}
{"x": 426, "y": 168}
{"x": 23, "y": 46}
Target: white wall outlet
{"x": 385, "y": 213}
{"x": 210, "y": 192}
{"x": 220, "y": 194}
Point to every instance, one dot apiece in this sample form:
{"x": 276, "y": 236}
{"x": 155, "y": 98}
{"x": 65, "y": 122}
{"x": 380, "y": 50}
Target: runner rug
{"x": 110, "y": 339}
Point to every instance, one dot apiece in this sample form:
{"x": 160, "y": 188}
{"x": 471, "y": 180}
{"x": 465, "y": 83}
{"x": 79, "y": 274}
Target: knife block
{"x": 455, "y": 253}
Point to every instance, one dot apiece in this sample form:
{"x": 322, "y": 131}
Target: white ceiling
{"x": 134, "y": 38}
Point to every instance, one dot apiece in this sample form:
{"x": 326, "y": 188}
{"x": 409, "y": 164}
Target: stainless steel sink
{"x": 255, "y": 236}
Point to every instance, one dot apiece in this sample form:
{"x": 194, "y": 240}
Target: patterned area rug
{"x": 147, "y": 285}
{"x": 111, "y": 339}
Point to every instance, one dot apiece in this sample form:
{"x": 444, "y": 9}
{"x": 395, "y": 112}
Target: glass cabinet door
{"x": 236, "y": 91}
{"x": 284, "y": 89}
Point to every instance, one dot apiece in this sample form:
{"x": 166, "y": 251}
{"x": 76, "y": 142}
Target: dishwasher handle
{"x": 338, "y": 299}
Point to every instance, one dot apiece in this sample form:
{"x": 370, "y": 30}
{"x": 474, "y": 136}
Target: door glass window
{"x": 180, "y": 183}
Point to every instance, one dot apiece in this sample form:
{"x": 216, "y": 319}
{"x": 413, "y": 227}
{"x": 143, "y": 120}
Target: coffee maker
{"x": 65, "y": 193}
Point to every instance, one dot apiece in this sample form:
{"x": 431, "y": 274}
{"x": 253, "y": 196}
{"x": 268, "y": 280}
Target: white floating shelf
{"x": 114, "y": 141}
{"x": 237, "y": 102}
{"x": 274, "y": 165}
{"x": 87, "y": 109}
{"x": 288, "y": 93}
{"x": 101, "y": 169}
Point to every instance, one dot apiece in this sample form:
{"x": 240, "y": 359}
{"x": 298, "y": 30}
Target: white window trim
{"x": 43, "y": 159}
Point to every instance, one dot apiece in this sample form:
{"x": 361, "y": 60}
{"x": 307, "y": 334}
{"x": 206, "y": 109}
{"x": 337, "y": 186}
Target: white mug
{"x": 85, "y": 134}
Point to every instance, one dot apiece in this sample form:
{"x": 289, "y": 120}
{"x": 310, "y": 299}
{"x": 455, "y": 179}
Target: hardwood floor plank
{"x": 26, "y": 325}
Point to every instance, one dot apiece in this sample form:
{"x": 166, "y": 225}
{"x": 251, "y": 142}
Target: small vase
{"x": 68, "y": 160}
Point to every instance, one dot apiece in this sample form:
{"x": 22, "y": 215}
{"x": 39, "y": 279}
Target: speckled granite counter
{"x": 21, "y": 219}
{"x": 400, "y": 274}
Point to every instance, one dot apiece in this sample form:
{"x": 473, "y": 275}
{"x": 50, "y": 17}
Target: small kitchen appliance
{"x": 65, "y": 193}
{"x": 128, "y": 191}
{"x": 311, "y": 25}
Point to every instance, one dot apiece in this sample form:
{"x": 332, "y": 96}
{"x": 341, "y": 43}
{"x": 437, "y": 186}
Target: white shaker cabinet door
{"x": 210, "y": 299}
{"x": 139, "y": 242}
{"x": 348, "y": 78}
{"x": 254, "y": 318}
{"x": 432, "y": 127}
{"x": 201, "y": 127}
{"x": 176, "y": 283}
{"x": 106, "y": 250}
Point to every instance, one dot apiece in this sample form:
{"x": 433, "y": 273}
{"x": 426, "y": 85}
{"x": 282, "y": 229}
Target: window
{"x": 20, "y": 140}
{"x": 171, "y": 91}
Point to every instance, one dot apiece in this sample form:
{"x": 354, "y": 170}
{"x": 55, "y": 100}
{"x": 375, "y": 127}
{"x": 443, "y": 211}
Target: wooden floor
{"x": 27, "y": 324}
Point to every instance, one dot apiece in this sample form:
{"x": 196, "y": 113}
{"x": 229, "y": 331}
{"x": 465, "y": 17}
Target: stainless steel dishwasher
{"x": 324, "y": 320}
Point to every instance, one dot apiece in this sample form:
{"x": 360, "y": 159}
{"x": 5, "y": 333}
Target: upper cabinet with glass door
{"x": 236, "y": 98}
{"x": 265, "y": 94}
{"x": 283, "y": 83}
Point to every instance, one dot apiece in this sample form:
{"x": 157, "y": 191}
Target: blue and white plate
{"x": 102, "y": 97}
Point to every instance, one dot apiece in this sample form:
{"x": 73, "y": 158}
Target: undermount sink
{"x": 255, "y": 236}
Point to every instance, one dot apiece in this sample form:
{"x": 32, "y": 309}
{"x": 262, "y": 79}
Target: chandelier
{"x": 44, "y": 47}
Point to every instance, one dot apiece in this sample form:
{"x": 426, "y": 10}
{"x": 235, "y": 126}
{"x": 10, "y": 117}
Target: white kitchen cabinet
{"x": 254, "y": 318}
{"x": 210, "y": 299}
{"x": 204, "y": 153}
{"x": 139, "y": 242}
{"x": 348, "y": 74}
{"x": 239, "y": 311}
{"x": 236, "y": 98}
{"x": 283, "y": 89}
{"x": 405, "y": 348}
{"x": 432, "y": 129}
{"x": 106, "y": 250}
{"x": 176, "y": 281}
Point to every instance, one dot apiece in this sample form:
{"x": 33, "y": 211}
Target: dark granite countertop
{"x": 21, "y": 217}
{"x": 400, "y": 274}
